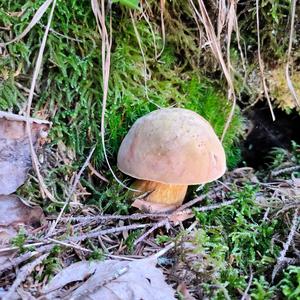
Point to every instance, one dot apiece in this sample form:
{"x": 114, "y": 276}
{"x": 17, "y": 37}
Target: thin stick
{"x": 2, "y": 250}
{"x": 136, "y": 216}
{"x": 69, "y": 245}
{"x": 285, "y": 170}
{"x": 245, "y": 294}
{"x": 14, "y": 117}
{"x": 214, "y": 206}
{"x": 282, "y": 257}
{"x": 200, "y": 198}
{"x": 24, "y": 257}
{"x": 148, "y": 232}
{"x": 106, "y": 231}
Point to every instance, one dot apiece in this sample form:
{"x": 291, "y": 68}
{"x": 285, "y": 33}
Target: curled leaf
{"x": 15, "y": 213}
{"x": 15, "y": 155}
{"x": 111, "y": 280}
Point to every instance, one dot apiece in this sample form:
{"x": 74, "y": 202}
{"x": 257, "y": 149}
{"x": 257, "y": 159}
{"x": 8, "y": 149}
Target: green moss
{"x": 246, "y": 239}
{"x": 290, "y": 284}
{"x": 70, "y": 88}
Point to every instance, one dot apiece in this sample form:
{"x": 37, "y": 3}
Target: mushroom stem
{"x": 170, "y": 194}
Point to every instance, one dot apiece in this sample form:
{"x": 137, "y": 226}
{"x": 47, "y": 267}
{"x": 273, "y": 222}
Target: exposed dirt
{"x": 264, "y": 134}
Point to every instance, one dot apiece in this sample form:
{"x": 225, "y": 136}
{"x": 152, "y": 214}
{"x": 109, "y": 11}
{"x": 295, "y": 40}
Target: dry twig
{"x": 281, "y": 260}
{"x": 285, "y": 170}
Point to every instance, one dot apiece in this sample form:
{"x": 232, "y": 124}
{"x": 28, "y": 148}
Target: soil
{"x": 264, "y": 134}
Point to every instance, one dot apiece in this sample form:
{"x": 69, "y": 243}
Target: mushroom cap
{"x": 173, "y": 146}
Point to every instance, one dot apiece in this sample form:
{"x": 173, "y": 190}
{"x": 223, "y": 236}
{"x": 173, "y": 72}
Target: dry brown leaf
{"x": 151, "y": 207}
{"x": 111, "y": 280}
{"x": 15, "y": 213}
{"x": 15, "y": 155}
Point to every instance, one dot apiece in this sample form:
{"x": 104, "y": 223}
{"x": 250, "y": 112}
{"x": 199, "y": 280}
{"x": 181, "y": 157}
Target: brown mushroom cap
{"x": 173, "y": 146}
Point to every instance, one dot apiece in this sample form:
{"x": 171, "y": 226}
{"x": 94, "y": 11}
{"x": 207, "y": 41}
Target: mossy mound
{"x": 69, "y": 90}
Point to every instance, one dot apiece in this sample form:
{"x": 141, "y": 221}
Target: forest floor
{"x": 68, "y": 220}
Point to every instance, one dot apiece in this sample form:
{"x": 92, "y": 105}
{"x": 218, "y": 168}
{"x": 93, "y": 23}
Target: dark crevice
{"x": 264, "y": 134}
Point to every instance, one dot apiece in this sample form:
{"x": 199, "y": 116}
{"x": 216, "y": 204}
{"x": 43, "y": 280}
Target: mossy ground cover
{"x": 70, "y": 87}
{"x": 234, "y": 242}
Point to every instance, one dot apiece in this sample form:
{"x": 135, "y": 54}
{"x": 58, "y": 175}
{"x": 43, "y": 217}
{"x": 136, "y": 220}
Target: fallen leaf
{"x": 111, "y": 280}
{"x": 151, "y": 207}
{"x": 15, "y": 213}
{"x": 15, "y": 155}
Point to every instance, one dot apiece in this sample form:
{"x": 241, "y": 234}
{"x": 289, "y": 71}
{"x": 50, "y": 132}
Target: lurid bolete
{"x": 169, "y": 149}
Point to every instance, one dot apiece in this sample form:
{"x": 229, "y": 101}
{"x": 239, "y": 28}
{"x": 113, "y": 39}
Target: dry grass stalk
{"x": 146, "y": 18}
{"x": 44, "y": 190}
{"x": 221, "y": 18}
{"x": 106, "y": 36}
{"x": 36, "y": 18}
{"x": 287, "y": 68}
{"x": 215, "y": 46}
{"x": 261, "y": 64}
{"x": 163, "y": 30}
{"x": 142, "y": 52}
{"x": 145, "y": 71}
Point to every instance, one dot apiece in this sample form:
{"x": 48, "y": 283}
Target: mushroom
{"x": 169, "y": 149}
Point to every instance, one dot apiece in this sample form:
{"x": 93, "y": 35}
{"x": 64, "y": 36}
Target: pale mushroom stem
{"x": 169, "y": 194}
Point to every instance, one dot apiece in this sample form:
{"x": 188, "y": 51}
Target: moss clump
{"x": 69, "y": 88}
{"x": 279, "y": 88}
